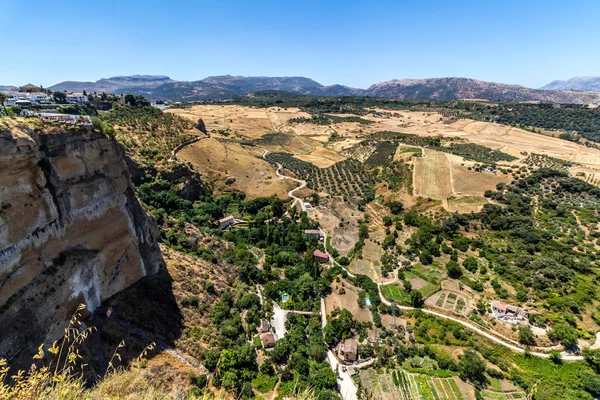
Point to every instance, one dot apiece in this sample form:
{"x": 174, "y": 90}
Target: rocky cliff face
{"x": 71, "y": 231}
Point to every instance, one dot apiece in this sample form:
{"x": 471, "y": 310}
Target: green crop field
{"x": 429, "y": 289}
{"x": 401, "y": 385}
{"x": 396, "y": 293}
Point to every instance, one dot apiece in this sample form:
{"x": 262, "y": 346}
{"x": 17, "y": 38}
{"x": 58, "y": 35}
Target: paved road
{"x": 278, "y": 321}
{"x": 346, "y": 385}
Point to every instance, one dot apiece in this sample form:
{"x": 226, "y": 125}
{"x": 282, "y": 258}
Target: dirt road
{"x": 291, "y": 192}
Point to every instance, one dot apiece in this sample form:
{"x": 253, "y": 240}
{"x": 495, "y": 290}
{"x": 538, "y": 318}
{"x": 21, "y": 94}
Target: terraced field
{"x": 401, "y": 385}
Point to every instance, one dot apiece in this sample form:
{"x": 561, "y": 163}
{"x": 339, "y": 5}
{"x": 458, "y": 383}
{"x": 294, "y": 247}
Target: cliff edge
{"x": 71, "y": 230}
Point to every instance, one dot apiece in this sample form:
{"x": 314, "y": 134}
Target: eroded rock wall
{"x": 71, "y": 231}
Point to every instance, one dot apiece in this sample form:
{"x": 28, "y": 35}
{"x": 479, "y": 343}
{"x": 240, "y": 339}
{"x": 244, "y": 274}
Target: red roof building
{"x": 267, "y": 339}
{"x": 321, "y": 256}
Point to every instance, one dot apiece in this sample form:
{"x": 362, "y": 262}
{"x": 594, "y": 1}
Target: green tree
{"x": 323, "y": 378}
{"x": 211, "y": 359}
{"x": 472, "y": 368}
{"x": 555, "y": 357}
{"x": 3, "y": 99}
{"x": 362, "y": 295}
{"x": 564, "y": 333}
{"x": 416, "y": 298}
{"x": 130, "y": 100}
{"x": 593, "y": 358}
{"x": 395, "y": 207}
{"x": 470, "y": 264}
{"x": 453, "y": 269}
{"x": 526, "y": 336}
{"x": 591, "y": 383}
{"x": 363, "y": 232}
{"x": 60, "y": 97}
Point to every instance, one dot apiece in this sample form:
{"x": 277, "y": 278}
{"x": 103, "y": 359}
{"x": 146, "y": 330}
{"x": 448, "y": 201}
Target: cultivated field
{"x": 436, "y": 175}
{"x": 433, "y": 176}
{"x": 465, "y": 204}
{"x": 450, "y": 301}
{"x": 370, "y": 264}
{"x": 401, "y": 385}
{"x": 255, "y": 122}
{"x": 473, "y": 183}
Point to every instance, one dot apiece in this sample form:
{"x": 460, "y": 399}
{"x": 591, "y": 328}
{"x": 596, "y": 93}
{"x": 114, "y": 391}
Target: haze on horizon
{"x": 354, "y": 43}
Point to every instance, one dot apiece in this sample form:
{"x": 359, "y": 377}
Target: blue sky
{"x": 355, "y": 43}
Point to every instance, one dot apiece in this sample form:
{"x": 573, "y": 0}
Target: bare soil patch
{"x": 466, "y": 204}
{"x": 348, "y": 300}
{"x": 418, "y": 283}
{"x": 340, "y": 219}
{"x": 471, "y": 182}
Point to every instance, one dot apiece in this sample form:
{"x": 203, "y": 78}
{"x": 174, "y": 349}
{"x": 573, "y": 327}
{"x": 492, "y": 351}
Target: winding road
{"x": 281, "y": 176}
{"x": 565, "y": 356}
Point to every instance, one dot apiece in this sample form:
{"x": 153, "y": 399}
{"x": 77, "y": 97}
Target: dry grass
{"x": 244, "y": 121}
{"x": 348, "y": 300}
{"x": 471, "y": 182}
{"x": 217, "y": 161}
{"x": 433, "y": 176}
{"x": 56, "y": 373}
{"x": 466, "y": 205}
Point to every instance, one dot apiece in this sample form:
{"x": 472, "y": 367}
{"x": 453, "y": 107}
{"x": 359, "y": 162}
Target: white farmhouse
{"x": 77, "y": 98}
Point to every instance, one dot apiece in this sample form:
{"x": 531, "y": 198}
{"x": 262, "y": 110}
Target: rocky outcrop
{"x": 71, "y": 231}
{"x": 201, "y": 126}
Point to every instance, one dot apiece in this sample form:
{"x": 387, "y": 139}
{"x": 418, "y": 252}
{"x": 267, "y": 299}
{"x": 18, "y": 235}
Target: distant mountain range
{"x": 581, "y": 83}
{"x": 227, "y": 86}
{"x": 116, "y": 84}
{"x": 465, "y": 88}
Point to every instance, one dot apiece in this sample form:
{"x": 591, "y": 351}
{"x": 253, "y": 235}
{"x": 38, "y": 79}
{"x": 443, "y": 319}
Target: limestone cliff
{"x": 71, "y": 230}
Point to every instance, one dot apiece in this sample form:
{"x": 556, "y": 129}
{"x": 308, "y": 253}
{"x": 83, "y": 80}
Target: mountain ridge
{"x": 113, "y": 84}
{"x": 579, "y": 83}
{"x": 220, "y": 87}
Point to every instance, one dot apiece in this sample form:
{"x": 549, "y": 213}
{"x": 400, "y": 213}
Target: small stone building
{"x": 267, "y": 340}
{"x": 348, "y": 350}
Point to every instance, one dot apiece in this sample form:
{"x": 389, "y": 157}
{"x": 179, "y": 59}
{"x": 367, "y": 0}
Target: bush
{"x": 453, "y": 269}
